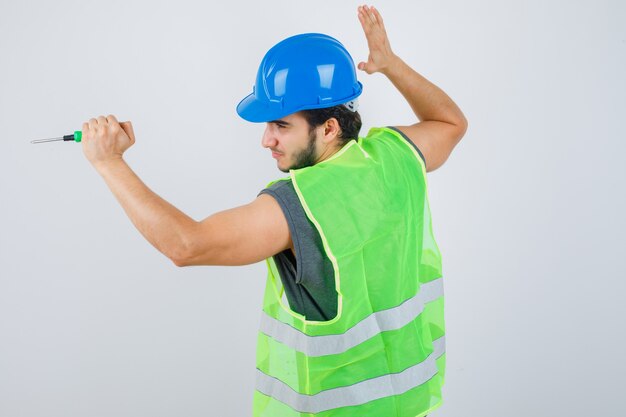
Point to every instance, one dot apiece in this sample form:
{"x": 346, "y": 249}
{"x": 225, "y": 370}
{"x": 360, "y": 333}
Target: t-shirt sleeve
{"x": 284, "y": 193}
{"x": 309, "y": 281}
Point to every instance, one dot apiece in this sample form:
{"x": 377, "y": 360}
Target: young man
{"x": 347, "y": 236}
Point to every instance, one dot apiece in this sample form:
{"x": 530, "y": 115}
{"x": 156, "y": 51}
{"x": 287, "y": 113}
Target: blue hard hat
{"x": 306, "y": 71}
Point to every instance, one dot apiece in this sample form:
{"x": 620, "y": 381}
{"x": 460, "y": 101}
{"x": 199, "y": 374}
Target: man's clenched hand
{"x": 105, "y": 139}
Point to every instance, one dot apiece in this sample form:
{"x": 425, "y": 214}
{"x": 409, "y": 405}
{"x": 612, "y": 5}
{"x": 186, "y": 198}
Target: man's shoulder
{"x": 284, "y": 193}
{"x": 281, "y": 186}
{"x": 384, "y": 132}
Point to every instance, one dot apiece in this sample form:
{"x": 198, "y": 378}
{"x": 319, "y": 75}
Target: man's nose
{"x": 268, "y": 140}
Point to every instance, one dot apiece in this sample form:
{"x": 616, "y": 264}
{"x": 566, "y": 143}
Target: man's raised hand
{"x": 381, "y": 55}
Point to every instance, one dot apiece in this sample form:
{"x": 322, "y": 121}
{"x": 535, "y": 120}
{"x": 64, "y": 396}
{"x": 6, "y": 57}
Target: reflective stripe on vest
{"x": 356, "y": 394}
{"x": 390, "y": 319}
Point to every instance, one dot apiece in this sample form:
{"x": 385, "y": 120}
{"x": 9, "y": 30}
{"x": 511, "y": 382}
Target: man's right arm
{"x": 441, "y": 123}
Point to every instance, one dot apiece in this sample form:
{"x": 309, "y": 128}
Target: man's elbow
{"x": 180, "y": 262}
{"x": 440, "y": 154}
{"x": 460, "y": 129}
{"x": 185, "y": 250}
{"x": 196, "y": 256}
{"x": 181, "y": 255}
{"x": 462, "y": 125}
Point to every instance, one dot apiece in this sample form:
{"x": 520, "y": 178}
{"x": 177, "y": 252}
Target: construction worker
{"x": 352, "y": 321}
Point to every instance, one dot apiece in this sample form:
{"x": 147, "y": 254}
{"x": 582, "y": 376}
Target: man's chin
{"x": 281, "y": 168}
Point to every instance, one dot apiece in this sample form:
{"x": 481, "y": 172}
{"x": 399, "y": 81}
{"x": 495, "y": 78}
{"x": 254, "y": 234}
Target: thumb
{"x": 128, "y": 128}
{"x": 366, "y": 66}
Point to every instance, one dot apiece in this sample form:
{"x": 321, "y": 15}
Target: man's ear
{"x": 332, "y": 130}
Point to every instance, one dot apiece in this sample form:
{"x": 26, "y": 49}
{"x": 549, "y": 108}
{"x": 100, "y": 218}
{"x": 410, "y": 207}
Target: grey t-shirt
{"x": 309, "y": 278}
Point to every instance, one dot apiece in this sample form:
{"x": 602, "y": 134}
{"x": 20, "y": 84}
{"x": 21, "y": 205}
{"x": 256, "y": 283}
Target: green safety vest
{"x": 383, "y": 354}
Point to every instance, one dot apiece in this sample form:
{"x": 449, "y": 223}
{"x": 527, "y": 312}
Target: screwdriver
{"x": 76, "y": 136}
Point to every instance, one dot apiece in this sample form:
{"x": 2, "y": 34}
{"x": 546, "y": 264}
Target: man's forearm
{"x": 427, "y": 100}
{"x": 162, "y": 224}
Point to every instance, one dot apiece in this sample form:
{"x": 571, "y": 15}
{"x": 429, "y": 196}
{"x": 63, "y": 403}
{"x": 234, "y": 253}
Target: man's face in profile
{"x": 291, "y": 143}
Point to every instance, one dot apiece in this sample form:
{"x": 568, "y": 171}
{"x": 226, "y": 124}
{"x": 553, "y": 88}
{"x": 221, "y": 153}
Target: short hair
{"x": 349, "y": 121}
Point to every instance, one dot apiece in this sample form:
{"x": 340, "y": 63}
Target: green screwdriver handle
{"x": 77, "y": 136}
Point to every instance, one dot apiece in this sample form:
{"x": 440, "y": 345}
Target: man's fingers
{"x": 365, "y": 17}
{"x": 108, "y": 121}
{"x": 376, "y": 36}
{"x": 361, "y": 15}
{"x": 113, "y": 123}
{"x": 368, "y": 14}
{"x": 112, "y": 119}
{"x": 371, "y": 15}
{"x": 371, "y": 20}
{"x": 379, "y": 18}
{"x": 367, "y": 25}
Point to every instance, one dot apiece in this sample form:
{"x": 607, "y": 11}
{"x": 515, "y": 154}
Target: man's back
{"x": 369, "y": 206}
{"x": 307, "y": 273}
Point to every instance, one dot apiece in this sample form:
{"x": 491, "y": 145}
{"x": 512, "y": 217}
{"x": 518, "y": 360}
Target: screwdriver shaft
{"x": 46, "y": 140}
{"x": 77, "y": 136}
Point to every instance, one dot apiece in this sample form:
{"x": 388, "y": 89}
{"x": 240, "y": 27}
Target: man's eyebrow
{"x": 280, "y": 122}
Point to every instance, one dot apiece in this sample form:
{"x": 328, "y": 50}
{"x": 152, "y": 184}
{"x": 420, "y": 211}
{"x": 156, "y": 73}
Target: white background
{"x": 528, "y": 211}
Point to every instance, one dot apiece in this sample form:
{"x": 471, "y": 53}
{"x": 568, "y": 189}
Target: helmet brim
{"x": 255, "y": 110}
